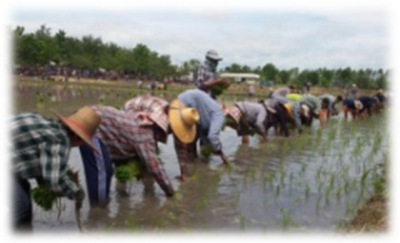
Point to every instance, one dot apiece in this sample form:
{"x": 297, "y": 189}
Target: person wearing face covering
{"x": 206, "y": 77}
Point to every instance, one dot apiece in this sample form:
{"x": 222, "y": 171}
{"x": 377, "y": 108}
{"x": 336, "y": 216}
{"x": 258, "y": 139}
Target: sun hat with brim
{"x": 183, "y": 121}
{"x": 270, "y": 104}
{"x": 150, "y": 118}
{"x": 83, "y": 123}
{"x": 212, "y": 54}
{"x": 306, "y": 110}
{"x": 358, "y": 104}
{"x": 233, "y": 112}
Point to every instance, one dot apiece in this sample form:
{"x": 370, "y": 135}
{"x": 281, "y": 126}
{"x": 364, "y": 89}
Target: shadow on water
{"x": 312, "y": 182}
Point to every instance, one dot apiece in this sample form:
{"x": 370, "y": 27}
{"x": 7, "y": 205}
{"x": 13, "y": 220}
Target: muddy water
{"x": 312, "y": 182}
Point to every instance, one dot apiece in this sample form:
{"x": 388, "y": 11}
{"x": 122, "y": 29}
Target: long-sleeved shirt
{"x": 204, "y": 74}
{"x": 254, "y": 114}
{"x": 125, "y": 138}
{"x": 211, "y": 116}
{"x": 293, "y": 107}
{"x": 349, "y": 103}
{"x": 367, "y": 102}
{"x": 330, "y": 98}
{"x": 313, "y": 102}
{"x": 41, "y": 148}
{"x": 281, "y": 92}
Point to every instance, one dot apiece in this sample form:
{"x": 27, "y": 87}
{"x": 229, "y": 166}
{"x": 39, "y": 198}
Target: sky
{"x": 288, "y": 33}
{"x": 254, "y": 34}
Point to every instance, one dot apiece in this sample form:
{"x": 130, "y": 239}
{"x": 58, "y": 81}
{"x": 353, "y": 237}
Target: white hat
{"x": 306, "y": 110}
{"x": 358, "y": 104}
{"x": 212, "y": 54}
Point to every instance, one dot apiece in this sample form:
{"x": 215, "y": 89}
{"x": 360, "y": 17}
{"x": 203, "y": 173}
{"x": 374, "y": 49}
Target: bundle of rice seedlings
{"x": 45, "y": 198}
{"x": 206, "y": 151}
{"x": 128, "y": 171}
{"x": 218, "y": 89}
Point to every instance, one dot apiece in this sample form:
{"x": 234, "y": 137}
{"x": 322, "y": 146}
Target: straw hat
{"x": 183, "y": 121}
{"x": 358, "y": 104}
{"x": 83, "y": 123}
{"x": 306, "y": 110}
{"x": 234, "y": 112}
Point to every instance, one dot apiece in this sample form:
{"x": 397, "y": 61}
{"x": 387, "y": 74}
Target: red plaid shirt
{"x": 125, "y": 138}
{"x": 151, "y": 106}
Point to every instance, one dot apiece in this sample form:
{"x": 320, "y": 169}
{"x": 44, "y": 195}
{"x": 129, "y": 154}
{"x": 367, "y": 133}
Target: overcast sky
{"x": 308, "y": 35}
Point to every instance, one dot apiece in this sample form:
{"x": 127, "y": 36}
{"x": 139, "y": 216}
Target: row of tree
{"x": 41, "y": 48}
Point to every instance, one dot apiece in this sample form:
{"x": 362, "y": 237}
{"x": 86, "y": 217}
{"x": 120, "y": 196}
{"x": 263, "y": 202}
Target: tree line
{"x": 41, "y": 48}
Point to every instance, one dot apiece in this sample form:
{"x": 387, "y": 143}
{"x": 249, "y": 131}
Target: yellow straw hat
{"x": 183, "y": 121}
{"x": 83, "y": 123}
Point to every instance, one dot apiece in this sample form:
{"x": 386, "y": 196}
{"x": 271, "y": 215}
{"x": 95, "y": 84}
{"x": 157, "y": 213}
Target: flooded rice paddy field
{"x": 312, "y": 182}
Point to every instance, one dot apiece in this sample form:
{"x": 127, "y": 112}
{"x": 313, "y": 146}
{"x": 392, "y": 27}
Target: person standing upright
{"x": 206, "y": 76}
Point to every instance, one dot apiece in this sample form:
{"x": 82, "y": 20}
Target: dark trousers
{"x": 22, "y": 205}
{"x": 98, "y": 172}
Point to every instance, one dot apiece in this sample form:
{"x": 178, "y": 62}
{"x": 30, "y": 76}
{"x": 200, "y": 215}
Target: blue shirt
{"x": 211, "y": 117}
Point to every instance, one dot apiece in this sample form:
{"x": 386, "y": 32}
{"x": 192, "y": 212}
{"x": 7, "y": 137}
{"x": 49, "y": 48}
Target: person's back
{"x": 205, "y": 105}
{"x": 31, "y": 134}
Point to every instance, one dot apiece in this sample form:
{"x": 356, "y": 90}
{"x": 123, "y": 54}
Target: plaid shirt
{"x": 152, "y": 106}
{"x": 41, "y": 149}
{"x": 204, "y": 74}
{"x": 125, "y": 138}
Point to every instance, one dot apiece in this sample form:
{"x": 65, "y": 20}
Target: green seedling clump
{"x": 206, "y": 151}
{"x": 218, "y": 89}
{"x": 43, "y": 197}
{"x": 128, "y": 171}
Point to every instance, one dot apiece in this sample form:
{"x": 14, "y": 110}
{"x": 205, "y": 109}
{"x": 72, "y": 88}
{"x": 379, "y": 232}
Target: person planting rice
{"x": 329, "y": 102}
{"x": 381, "y": 100}
{"x": 206, "y": 77}
{"x": 294, "y": 96}
{"x": 353, "y": 106}
{"x": 296, "y": 111}
{"x": 247, "y": 118}
{"x": 314, "y": 104}
{"x": 210, "y": 121}
{"x": 41, "y": 147}
{"x": 277, "y": 116}
{"x": 368, "y": 103}
{"x": 122, "y": 136}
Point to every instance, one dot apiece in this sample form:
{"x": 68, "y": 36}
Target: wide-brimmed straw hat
{"x": 233, "y": 112}
{"x": 358, "y": 104}
{"x": 83, "y": 123}
{"x": 183, "y": 121}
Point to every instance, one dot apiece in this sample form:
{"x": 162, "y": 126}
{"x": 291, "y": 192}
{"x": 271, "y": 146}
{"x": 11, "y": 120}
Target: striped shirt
{"x": 255, "y": 114}
{"x": 211, "y": 116}
{"x": 125, "y": 139}
{"x": 41, "y": 148}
